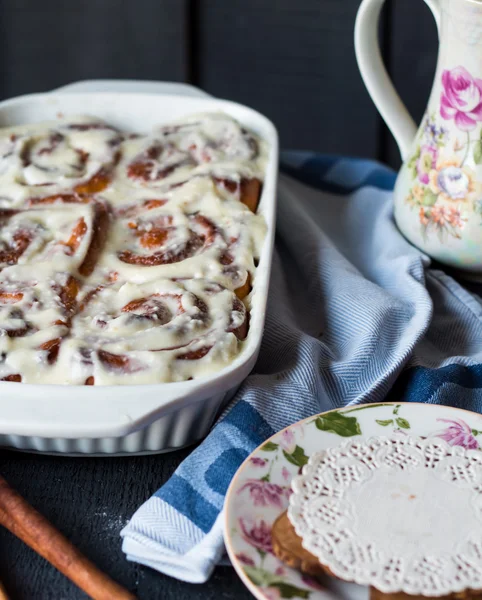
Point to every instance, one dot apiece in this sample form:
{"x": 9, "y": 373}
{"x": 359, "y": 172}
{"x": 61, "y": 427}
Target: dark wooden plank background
{"x": 47, "y": 44}
{"x": 291, "y": 59}
{"x": 412, "y": 59}
{"x": 279, "y": 58}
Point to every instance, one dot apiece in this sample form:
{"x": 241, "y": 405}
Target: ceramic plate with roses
{"x": 260, "y": 490}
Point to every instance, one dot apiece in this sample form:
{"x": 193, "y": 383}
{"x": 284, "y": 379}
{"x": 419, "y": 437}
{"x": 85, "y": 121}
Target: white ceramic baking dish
{"x": 109, "y": 420}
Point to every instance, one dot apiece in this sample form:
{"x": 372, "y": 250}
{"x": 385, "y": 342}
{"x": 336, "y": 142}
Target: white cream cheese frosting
{"x": 126, "y": 258}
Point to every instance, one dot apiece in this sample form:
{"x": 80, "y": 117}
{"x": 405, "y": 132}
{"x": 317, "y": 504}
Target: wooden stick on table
{"x": 3, "y": 593}
{"x": 34, "y": 529}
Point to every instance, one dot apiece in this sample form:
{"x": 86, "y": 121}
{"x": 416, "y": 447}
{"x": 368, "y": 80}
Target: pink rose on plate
{"x": 287, "y": 441}
{"x": 271, "y": 593}
{"x": 286, "y": 474}
{"x": 458, "y": 433}
{"x": 461, "y": 98}
{"x": 265, "y": 493}
{"x": 258, "y": 462}
{"x": 257, "y": 535}
{"x": 244, "y": 559}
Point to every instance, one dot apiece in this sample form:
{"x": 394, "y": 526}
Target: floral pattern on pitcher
{"x": 444, "y": 187}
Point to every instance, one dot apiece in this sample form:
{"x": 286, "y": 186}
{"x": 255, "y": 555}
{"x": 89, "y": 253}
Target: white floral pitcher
{"x": 438, "y": 194}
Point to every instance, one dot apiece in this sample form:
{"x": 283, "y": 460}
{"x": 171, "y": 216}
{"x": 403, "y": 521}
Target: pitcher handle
{"x": 375, "y": 76}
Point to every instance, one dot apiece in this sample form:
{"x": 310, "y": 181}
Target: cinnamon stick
{"x": 30, "y": 526}
{"x": 3, "y": 593}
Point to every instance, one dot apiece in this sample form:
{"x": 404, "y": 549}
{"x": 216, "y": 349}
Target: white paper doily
{"x": 402, "y": 514}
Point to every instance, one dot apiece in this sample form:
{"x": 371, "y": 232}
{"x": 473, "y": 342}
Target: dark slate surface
{"x": 412, "y": 56}
{"x": 90, "y": 500}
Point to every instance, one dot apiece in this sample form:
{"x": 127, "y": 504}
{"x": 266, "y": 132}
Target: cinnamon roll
{"x": 191, "y": 232}
{"x": 160, "y": 331}
{"x": 208, "y": 145}
{"x": 35, "y": 317}
{"x": 126, "y": 258}
{"x": 40, "y": 162}
{"x": 61, "y": 238}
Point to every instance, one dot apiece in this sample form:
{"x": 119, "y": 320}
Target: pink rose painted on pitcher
{"x": 439, "y": 167}
{"x": 461, "y": 99}
{"x": 458, "y": 434}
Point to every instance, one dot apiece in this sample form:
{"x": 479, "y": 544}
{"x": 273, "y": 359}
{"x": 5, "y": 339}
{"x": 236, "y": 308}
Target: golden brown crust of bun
{"x": 287, "y": 547}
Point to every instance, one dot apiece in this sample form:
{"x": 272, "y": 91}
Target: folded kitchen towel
{"x": 355, "y": 314}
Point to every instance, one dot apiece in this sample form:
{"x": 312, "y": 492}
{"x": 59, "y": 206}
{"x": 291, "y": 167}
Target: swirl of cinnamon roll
{"x": 64, "y": 238}
{"x": 39, "y": 163}
{"x": 246, "y": 191}
{"x": 133, "y": 331}
{"x": 35, "y": 317}
{"x": 160, "y": 243}
{"x": 203, "y": 139}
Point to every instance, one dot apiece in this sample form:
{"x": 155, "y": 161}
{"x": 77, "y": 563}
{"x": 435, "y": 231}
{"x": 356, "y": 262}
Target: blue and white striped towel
{"x": 355, "y": 314}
